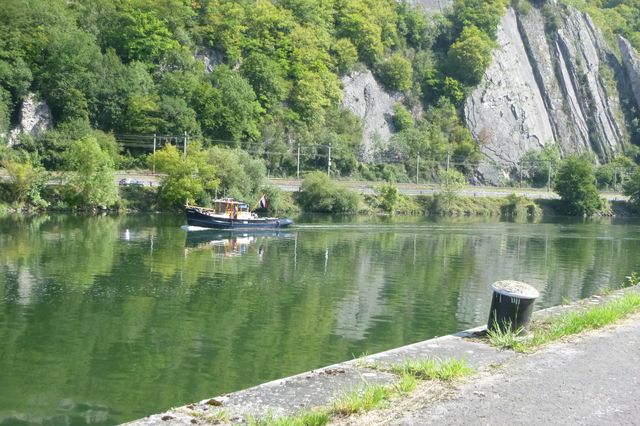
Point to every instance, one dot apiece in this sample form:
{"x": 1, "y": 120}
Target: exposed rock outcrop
{"x": 209, "y": 57}
{"x": 35, "y": 118}
{"x": 546, "y": 89}
{"x": 431, "y": 5}
{"x": 363, "y": 96}
{"x": 506, "y": 113}
{"x": 631, "y": 62}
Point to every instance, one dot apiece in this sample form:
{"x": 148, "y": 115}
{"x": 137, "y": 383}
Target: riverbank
{"x": 139, "y": 199}
{"x": 589, "y": 378}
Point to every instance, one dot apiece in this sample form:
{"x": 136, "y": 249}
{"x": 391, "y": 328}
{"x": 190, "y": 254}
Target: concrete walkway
{"x": 590, "y": 379}
{"x": 593, "y": 379}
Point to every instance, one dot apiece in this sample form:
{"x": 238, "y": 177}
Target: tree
{"x": 470, "y": 55}
{"x": 396, "y": 73}
{"x": 388, "y": 196}
{"x": 632, "y": 189}
{"x": 240, "y": 175}
{"x": 188, "y": 179}
{"x": 320, "y": 194}
{"x": 576, "y": 185}
{"x": 91, "y": 183}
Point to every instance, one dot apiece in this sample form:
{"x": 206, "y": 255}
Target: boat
{"x": 230, "y": 214}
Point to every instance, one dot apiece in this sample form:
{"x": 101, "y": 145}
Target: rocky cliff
{"x": 363, "y": 96}
{"x": 546, "y": 87}
{"x": 553, "y": 80}
{"x": 35, "y": 118}
{"x": 631, "y": 61}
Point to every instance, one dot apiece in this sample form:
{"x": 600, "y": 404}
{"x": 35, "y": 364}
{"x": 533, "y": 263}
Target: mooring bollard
{"x": 511, "y": 306}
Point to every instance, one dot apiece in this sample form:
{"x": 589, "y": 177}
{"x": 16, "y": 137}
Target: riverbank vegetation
{"x": 563, "y": 325}
{"x": 374, "y": 396}
{"x": 254, "y": 84}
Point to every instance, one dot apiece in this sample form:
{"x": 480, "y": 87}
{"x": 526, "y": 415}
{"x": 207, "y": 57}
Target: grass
{"x": 567, "y": 324}
{"x": 361, "y": 400}
{"x": 432, "y": 369}
{"x": 308, "y": 418}
{"x": 374, "y": 396}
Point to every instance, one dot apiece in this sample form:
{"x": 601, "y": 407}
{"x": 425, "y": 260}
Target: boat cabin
{"x": 228, "y": 208}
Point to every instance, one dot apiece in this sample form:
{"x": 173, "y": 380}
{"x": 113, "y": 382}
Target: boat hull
{"x": 199, "y": 219}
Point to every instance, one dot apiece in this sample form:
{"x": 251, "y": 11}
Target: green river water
{"x": 108, "y": 319}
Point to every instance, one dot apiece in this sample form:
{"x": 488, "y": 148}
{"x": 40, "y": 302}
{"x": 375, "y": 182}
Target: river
{"x": 107, "y": 319}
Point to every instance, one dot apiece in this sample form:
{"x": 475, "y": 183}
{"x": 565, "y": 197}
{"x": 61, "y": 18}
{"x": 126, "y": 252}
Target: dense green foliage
{"x": 614, "y": 17}
{"x": 135, "y": 67}
{"x": 189, "y": 178}
{"x": 632, "y": 189}
{"x": 91, "y": 182}
{"x": 576, "y": 185}
{"x": 321, "y": 194}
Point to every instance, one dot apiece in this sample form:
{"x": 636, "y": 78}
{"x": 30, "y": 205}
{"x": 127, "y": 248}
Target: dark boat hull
{"x": 196, "y": 218}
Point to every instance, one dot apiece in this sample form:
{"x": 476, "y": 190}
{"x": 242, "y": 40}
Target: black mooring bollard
{"x": 511, "y": 306}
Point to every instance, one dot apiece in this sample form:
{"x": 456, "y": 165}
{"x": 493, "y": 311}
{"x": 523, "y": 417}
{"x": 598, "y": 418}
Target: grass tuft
{"x": 432, "y": 369}
{"x": 316, "y": 417}
{"x": 361, "y": 400}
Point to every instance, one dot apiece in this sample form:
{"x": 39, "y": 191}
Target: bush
{"x": 91, "y": 183}
{"x": 320, "y": 194}
{"x": 632, "y": 189}
{"x": 518, "y": 206}
{"x": 396, "y": 73}
{"x": 388, "y": 197}
{"x": 576, "y": 185}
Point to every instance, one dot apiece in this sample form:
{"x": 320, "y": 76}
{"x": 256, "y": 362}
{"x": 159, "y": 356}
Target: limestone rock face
{"x": 544, "y": 89}
{"x": 363, "y": 96}
{"x": 209, "y": 57}
{"x": 631, "y": 61}
{"x": 506, "y": 113}
{"x": 431, "y": 6}
{"x": 35, "y": 118}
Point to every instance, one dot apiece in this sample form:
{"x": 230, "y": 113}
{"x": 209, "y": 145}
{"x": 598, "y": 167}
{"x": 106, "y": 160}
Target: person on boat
{"x": 235, "y": 211}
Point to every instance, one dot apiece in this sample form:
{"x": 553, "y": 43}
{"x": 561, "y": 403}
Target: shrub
{"x": 320, "y": 194}
{"x": 576, "y": 185}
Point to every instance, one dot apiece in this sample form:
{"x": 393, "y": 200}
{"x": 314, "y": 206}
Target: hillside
{"x": 271, "y": 75}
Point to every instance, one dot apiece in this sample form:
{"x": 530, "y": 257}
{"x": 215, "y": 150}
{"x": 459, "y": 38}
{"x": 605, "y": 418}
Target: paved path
{"x": 592, "y": 380}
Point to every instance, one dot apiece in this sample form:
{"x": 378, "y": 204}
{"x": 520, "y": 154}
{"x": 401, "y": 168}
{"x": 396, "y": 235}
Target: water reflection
{"x": 231, "y": 243}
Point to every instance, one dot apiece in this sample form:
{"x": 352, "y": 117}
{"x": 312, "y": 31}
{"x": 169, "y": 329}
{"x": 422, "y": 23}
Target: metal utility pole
{"x": 185, "y": 144}
{"x": 154, "y": 154}
{"x": 298, "y": 165}
{"x": 329, "y": 162}
{"x": 417, "y": 168}
{"x": 548, "y": 176}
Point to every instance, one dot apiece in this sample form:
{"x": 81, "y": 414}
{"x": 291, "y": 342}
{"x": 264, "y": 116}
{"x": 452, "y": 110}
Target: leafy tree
{"x": 396, "y": 73}
{"x": 542, "y": 166}
{"x": 482, "y": 14}
{"x": 576, "y": 185}
{"x": 266, "y": 77}
{"x": 91, "y": 183}
{"x": 188, "y": 179}
{"x": 26, "y": 182}
{"x": 319, "y": 193}
{"x": 240, "y": 175}
{"x": 223, "y": 26}
{"x": 632, "y": 189}
{"x": 236, "y": 110}
{"x": 388, "y": 197}
{"x": 5, "y": 111}
{"x": 470, "y": 55}
{"x": 345, "y": 55}
{"x": 141, "y": 36}
{"x": 402, "y": 119}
